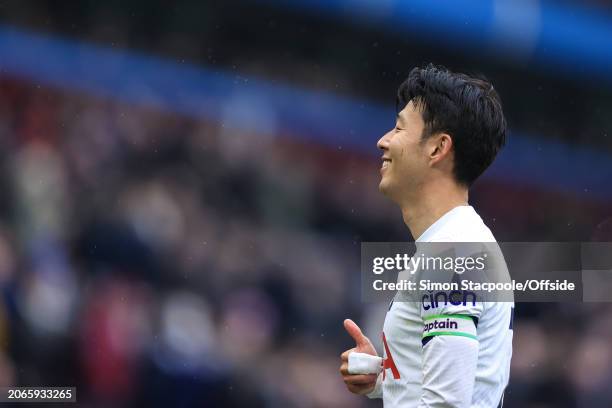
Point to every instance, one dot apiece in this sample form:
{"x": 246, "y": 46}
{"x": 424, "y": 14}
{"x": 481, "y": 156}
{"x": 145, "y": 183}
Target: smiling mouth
{"x": 385, "y": 163}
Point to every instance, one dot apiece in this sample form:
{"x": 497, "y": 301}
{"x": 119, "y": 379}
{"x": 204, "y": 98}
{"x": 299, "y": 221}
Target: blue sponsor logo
{"x": 454, "y": 297}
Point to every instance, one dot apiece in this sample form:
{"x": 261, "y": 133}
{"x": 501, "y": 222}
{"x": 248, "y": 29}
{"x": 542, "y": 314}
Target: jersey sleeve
{"x": 450, "y": 347}
{"x": 449, "y": 372}
{"x": 450, "y": 313}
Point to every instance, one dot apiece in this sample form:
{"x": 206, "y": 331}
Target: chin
{"x": 383, "y": 187}
{"x": 388, "y": 190}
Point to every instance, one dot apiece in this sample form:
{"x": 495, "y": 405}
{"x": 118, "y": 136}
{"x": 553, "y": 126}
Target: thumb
{"x": 355, "y": 332}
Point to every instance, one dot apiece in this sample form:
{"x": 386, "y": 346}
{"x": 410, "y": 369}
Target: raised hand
{"x": 357, "y": 383}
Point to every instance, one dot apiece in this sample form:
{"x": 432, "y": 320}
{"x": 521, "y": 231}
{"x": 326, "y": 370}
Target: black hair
{"x": 467, "y": 108}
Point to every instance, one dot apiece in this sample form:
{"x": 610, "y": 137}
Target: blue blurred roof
{"x": 571, "y": 39}
{"x": 313, "y": 116}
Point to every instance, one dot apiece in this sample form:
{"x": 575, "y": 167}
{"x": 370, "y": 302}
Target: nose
{"x": 383, "y": 142}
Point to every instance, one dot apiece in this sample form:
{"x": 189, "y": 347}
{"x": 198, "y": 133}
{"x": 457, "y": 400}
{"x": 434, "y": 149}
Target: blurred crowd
{"x": 146, "y": 258}
{"x": 154, "y": 260}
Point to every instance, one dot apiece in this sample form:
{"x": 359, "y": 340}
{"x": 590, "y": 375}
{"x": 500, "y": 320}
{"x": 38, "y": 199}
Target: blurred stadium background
{"x": 185, "y": 188}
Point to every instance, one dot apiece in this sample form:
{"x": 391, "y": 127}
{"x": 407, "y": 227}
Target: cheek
{"x": 411, "y": 161}
{"x": 409, "y": 154}
{"x": 406, "y": 151}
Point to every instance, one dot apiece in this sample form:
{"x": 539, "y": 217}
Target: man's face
{"x": 404, "y": 159}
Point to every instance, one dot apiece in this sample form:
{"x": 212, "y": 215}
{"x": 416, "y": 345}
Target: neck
{"x": 433, "y": 200}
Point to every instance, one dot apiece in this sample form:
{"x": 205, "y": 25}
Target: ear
{"x": 439, "y": 146}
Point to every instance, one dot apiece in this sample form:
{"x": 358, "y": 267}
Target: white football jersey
{"x": 446, "y": 353}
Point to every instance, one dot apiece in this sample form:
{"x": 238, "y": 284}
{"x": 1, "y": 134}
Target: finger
{"x": 346, "y": 373}
{"x": 360, "y": 389}
{"x": 360, "y": 379}
{"x": 355, "y": 332}
{"x": 344, "y": 356}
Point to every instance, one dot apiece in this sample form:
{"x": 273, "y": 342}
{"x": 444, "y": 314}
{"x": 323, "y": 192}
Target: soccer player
{"x": 449, "y": 129}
